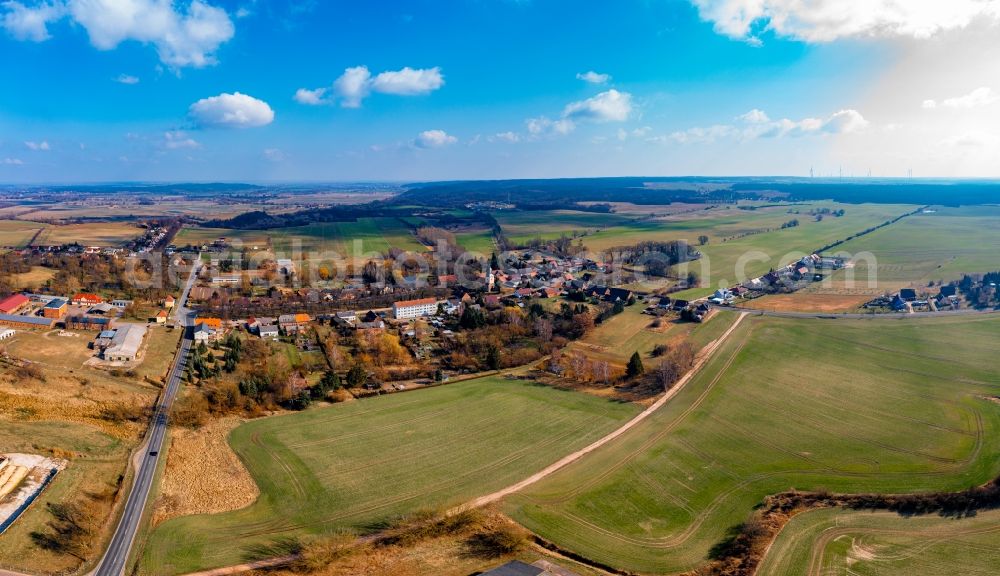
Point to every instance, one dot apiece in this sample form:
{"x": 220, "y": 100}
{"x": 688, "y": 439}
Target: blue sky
{"x": 102, "y": 90}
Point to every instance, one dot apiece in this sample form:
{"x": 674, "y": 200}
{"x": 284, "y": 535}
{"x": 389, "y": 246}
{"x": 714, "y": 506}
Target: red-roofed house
{"x": 87, "y": 299}
{"x": 13, "y": 304}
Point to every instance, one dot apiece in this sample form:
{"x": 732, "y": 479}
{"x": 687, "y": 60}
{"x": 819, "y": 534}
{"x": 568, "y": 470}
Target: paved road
{"x": 114, "y": 561}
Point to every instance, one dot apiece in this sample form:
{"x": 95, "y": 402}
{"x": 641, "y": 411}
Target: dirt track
{"x": 705, "y": 355}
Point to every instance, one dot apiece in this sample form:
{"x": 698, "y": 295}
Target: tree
{"x": 635, "y": 367}
{"x": 702, "y": 240}
{"x": 494, "y": 262}
{"x": 356, "y": 376}
{"x": 493, "y": 358}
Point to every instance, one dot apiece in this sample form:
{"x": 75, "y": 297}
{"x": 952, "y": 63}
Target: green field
{"x": 846, "y": 406}
{"x": 479, "y": 242}
{"x": 347, "y": 239}
{"x": 353, "y": 465}
{"x": 835, "y": 541}
{"x": 941, "y": 245}
{"x": 249, "y": 239}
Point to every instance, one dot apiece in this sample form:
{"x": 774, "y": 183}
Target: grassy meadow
{"x": 354, "y": 465}
{"x": 841, "y": 405}
{"x": 834, "y": 541}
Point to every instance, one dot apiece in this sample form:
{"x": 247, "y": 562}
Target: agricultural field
{"x": 836, "y": 541}
{"x": 939, "y": 245}
{"x": 845, "y": 406}
{"x": 17, "y": 233}
{"x": 251, "y": 239}
{"x": 105, "y": 234}
{"x": 479, "y": 241}
{"x": 347, "y": 239}
{"x": 356, "y": 464}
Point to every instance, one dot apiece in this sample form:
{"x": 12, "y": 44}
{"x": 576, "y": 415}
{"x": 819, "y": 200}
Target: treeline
{"x": 867, "y": 231}
{"x": 981, "y": 289}
{"x": 657, "y": 257}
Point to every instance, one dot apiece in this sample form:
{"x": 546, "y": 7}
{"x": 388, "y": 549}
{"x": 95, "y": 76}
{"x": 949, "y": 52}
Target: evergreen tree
{"x": 635, "y": 367}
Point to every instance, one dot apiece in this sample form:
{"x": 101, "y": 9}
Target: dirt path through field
{"x": 703, "y": 357}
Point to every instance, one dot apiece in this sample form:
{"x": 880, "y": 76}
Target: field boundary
{"x": 706, "y": 354}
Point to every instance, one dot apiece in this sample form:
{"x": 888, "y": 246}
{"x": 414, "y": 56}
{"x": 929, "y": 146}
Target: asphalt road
{"x": 115, "y": 559}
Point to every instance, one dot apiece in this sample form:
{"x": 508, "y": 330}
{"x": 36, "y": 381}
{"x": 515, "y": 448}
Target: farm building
{"x": 87, "y": 322}
{"x": 55, "y": 309}
{"x": 86, "y": 299}
{"x": 414, "y": 308}
{"x": 14, "y": 304}
{"x": 7, "y": 333}
{"x": 125, "y": 344}
{"x": 25, "y": 322}
{"x": 122, "y": 304}
{"x": 907, "y": 294}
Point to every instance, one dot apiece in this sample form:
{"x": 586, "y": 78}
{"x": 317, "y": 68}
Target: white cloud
{"x": 357, "y": 83}
{"x": 353, "y": 86}
{"x": 592, "y": 77}
{"x": 755, "y": 116}
{"x": 756, "y": 124}
{"x": 231, "y": 111}
{"x": 983, "y": 96}
{"x": 610, "y": 106}
{"x": 178, "y": 140}
{"x": 827, "y": 20}
{"x": 408, "y": 82}
{"x": 184, "y": 34}
{"x": 434, "y": 139}
{"x": 274, "y": 155}
{"x": 544, "y": 126}
{"x": 30, "y": 23}
{"x": 43, "y": 145}
{"x": 13, "y": 161}
{"x": 126, "y": 79}
{"x": 511, "y": 137}
{"x": 311, "y": 97}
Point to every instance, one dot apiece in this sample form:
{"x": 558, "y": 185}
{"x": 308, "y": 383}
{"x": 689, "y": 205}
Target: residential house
{"x": 169, "y": 302}
{"x": 161, "y": 317}
{"x": 121, "y": 304}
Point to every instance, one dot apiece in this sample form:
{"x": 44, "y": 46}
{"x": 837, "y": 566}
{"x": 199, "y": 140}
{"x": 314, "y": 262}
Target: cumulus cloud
{"x": 231, "y": 111}
{"x": 757, "y": 124}
{"x": 408, "y": 82}
{"x": 311, "y": 97}
{"x": 827, "y": 20}
{"x": 126, "y": 79}
{"x": 592, "y": 77}
{"x": 434, "y": 139}
{"x": 754, "y": 116}
{"x": 178, "y": 140}
{"x": 610, "y": 106}
{"x": 13, "y": 161}
{"x": 983, "y": 96}
{"x": 184, "y": 34}
{"x": 353, "y": 86}
{"x": 30, "y": 23}
{"x": 43, "y": 145}
{"x": 357, "y": 83}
